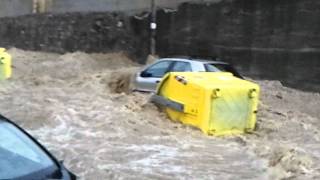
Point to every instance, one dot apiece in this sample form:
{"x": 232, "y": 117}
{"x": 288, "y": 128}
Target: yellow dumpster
{"x": 217, "y": 103}
{"x": 5, "y": 64}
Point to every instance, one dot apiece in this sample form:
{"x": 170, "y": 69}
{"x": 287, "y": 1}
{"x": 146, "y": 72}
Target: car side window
{"x": 222, "y": 68}
{"x": 181, "y": 67}
{"x": 159, "y": 69}
{"x": 211, "y": 68}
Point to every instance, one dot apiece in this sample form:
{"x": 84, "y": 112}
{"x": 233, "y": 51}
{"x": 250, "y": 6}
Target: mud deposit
{"x": 66, "y": 102}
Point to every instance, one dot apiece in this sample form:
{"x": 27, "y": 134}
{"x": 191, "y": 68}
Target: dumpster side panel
{"x": 234, "y": 111}
{"x": 254, "y": 109}
{"x": 205, "y": 115}
{"x": 230, "y": 111}
{"x": 169, "y": 89}
{"x": 184, "y": 93}
{"x": 8, "y": 68}
{"x": 5, "y": 65}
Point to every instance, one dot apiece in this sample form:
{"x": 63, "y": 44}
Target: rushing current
{"x": 77, "y": 106}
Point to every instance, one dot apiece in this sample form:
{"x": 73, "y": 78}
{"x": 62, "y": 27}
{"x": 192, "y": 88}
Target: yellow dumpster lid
{"x": 207, "y": 79}
{"x": 2, "y": 50}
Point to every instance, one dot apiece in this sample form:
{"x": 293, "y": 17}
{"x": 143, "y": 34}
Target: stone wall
{"x": 91, "y": 32}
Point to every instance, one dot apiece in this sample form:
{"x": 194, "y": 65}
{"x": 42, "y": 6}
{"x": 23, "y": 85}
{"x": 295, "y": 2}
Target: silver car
{"x": 147, "y": 79}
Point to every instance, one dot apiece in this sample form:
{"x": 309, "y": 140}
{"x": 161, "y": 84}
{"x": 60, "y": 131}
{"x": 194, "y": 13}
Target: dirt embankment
{"x": 73, "y": 104}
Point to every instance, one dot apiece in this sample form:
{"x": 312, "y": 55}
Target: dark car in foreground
{"x": 22, "y": 157}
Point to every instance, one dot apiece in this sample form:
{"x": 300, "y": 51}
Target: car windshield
{"x": 222, "y": 68}
{"x": 20, "y": 157}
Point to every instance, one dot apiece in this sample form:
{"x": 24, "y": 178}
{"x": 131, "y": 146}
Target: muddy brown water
{"x": 68, "y": 102}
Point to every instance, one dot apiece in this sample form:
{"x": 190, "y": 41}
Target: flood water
{"x": 65, "y": 101}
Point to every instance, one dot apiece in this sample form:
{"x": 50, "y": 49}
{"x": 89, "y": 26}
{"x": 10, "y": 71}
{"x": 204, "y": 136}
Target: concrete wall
{"x": 61, "y": 6}
{"x": 15, "y": 7}
{"x": 127, "y": 6}
{"x": 267, "y": 39}
{"x": 10, "y": 8}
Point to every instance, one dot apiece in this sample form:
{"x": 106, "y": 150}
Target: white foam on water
{"x": 65, "y": 101}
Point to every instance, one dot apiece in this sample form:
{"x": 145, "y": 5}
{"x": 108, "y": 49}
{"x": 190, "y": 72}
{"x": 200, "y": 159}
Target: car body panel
{"x": 146, "y": 84}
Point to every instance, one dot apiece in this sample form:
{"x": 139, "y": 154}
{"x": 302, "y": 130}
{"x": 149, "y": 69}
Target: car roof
{"x": 204, "y": 61}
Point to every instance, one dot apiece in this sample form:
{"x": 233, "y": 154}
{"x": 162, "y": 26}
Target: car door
{"x": 149, "y": 78}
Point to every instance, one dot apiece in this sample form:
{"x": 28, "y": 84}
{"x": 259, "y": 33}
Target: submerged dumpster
{"x": 217, "y": 103}
{"x": 5, "y": 64}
